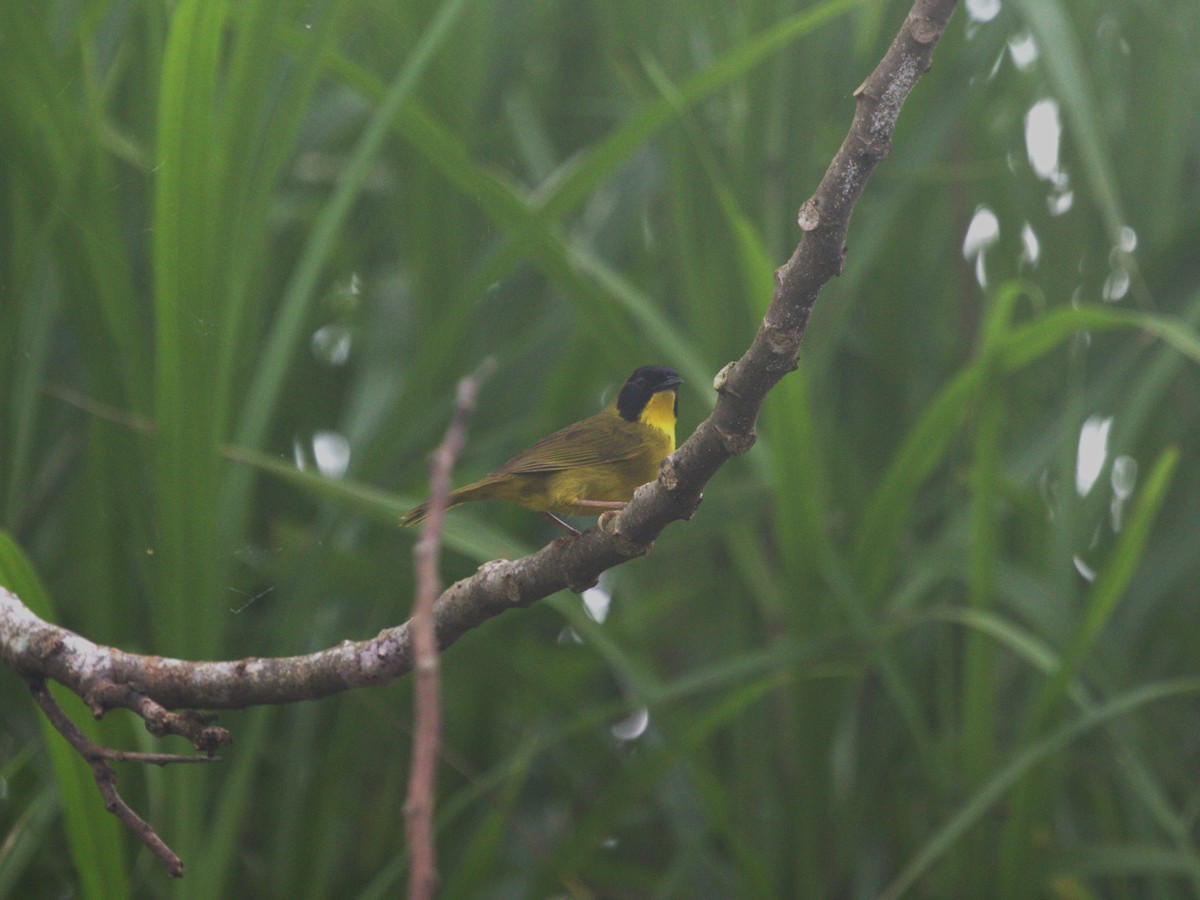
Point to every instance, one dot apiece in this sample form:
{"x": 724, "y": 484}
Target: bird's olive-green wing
{"x": 602, "y": 438}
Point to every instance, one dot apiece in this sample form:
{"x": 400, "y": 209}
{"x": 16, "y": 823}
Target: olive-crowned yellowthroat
{"x": 591, "y": 466}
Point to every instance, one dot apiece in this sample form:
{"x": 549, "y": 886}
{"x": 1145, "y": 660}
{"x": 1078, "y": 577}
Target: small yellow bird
{"x": 591, "y": 466}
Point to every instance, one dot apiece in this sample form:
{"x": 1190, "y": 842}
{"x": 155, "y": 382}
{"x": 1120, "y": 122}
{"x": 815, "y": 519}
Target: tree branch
{"x": 151, "y": 686}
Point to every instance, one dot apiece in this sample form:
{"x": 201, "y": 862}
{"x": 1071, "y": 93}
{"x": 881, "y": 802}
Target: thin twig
{"x": 427, "y": 730}
{"x": 106, "y": 779}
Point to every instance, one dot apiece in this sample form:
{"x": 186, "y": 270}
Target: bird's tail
{"x": 463, "y": 495}
{"x": 415, "y": 515}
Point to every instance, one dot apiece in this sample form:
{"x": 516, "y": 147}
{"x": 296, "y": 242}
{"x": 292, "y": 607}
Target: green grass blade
{"x": 1028, "y": 342}
{"x": 635, "y": 780}
{"x": 1108, "y": 589}
{"x": 1064, "y": 62}
{"x": 468, "y": 536}
{"x": 531, "y": 227}
{"x": 1111, "y": 583}
{"x": 1129, "y": 860}
{"x": 284, "y": 338}
{"x": 1137, "y": 772}
{"x": 224, "y": 828}
{"x": 26, "y": 836}
{"x": 27, "y": 373}
{"x": 979, "y": 706}
{"x": 186, "y": 619}
{"x": 1025, "y": 762}
{"x": 258, "y": 136}
{"x": 184, "y": 270}
{"x": 665, "y": 336}
{"x": 926, "y": 443}
{"x": 566, "y": 265}
{"x": 574, "y": 185}
{"x": 95, "y": 838}
{"x": 923, "y": 449}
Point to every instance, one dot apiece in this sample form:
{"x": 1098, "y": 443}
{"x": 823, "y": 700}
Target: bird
{"x": 589, "y": 467}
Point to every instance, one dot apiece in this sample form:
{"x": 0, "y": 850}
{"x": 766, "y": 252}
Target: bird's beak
{"x": 668, "y": 383}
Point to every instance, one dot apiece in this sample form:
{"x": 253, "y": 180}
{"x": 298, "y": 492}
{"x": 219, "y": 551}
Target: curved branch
{"x": 107, "y": 677}
{"x": 152, "y": 686}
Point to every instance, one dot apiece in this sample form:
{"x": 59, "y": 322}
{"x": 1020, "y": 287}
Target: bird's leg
{"x": 598, "y": 505}
{"x": 574, "y": 532}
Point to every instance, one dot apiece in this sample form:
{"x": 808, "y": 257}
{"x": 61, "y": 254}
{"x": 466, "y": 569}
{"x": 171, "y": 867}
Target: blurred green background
{"x": 936, "y": 635}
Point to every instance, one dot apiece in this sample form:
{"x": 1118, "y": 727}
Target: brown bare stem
{"x": 427, "y": 731}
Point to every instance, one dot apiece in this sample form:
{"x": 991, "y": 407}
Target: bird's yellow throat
{"x": 660, "y": 413}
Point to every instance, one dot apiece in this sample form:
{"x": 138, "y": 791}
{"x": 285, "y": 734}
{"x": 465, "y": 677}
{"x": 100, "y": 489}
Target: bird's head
{"x": 648, "y": 383}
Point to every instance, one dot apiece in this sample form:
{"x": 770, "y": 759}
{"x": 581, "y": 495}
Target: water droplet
{"x": 298, "y": 455}
{"x": 1048, "y": 488}
{"x": 1023, "y": 50}
{"x": 1083, "y": 568}
{"x": 568, "y": 635}
{"x": 609, "y": 843}
{"x": 331, "y": 452}
{"x": 1060, "y": 202}
{"x": 596, "y": 601}
{"x": 1108, "y": 34}
{"x": 1031, "y": 248}
{"x": 331, "y": 344}
{"x": 1127, "y": 239}
{"x": 1093, "y": 451}
{"x": 1116, "y": 513}
{"x": 632, "y": 726}
{"x": 1043, "y": 130}
{"x": 1124, "y": 476}
{"x": 1124, "y": 479}
{"x": 983, "y": 10}
{"x": 999, "y": 57}
{"x": 1116, "y": 285}
{"x": 983, "y": 231}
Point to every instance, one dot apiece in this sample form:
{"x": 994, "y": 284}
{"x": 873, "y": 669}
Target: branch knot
{"x": 809, "y": 216}
{"x": 737, "y": 443}
{"x": 500, "y": 572}
{"x": 667, "y": 476}
{"x": 784, "y": 344}
{"x": 924, "y": 30}
{"x": 721, "y": 380}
